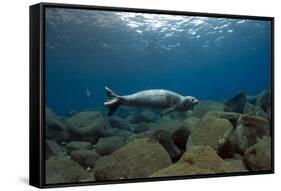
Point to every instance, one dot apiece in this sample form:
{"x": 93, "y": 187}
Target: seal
{"x": 155, "y": 99}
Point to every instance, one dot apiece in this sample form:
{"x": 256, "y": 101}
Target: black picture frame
{"x": 37, "y": 93}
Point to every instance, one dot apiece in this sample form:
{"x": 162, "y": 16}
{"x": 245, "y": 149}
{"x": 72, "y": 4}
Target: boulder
{"x": 54, "y": 149}
{"x": 78, "y": 145}
{"x": 236, "y": 164}
{"x": 92, "y": 131}
{"x": 205, "y": 105}
{"x": 164, "y": 138}
{"x": 119, "y": 123}
{"x": 82, "y": 119}
{"x": 64, "y": 171}
{"x": 236, "y": 103}
{"x": 190, "y": 123}
{"x": 138, "y": 159}
{"x": 144, "y": 116}
{"x": 180, "y": 136}
{"x": 86, "y": 158}
{"x": 106, "y": 146}
{"x": 254, "y": 110}
{"x": 230, "y": 116}
{"x": 197, "y": 160}
{"x": 214, "y": 132}
{"x": 264, "y": 100}
{"x": 258, "y": 156}
{"x": 141, "y": 127}
{"x": 118, "y": 132}
{"x": 249, "y": 130}
{"x": 56, "y": 128}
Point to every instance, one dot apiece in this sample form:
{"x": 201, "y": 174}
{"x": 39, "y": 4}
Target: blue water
{"x": 209, "y": 58}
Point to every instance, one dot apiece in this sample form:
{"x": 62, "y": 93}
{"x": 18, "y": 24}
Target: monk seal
{"x": 155, "y": 99}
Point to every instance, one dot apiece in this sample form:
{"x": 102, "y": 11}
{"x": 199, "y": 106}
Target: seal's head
{"x": 189, "y": 102}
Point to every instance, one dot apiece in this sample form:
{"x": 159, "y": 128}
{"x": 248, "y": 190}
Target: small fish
{"x": 88, "y": 93}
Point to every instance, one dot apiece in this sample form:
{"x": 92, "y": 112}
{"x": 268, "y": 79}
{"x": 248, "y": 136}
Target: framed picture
{"x": 123, "y": 95}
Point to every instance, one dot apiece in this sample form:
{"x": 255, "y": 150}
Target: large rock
{"x": 205, "y": 105}
{"x": 214, "y": 132}
{"x": 164, "y": 138}
{"x": 86, "y": 158}
{"x": 197, "y": 160}
{"x": 254, "y": 110}
{"x": 92, "y": 131}
{"x": 249, "y": 130}
{"x": 82, "y": 119}
{"x": 138, "y": 159}
{"x": 78, "y": 145}
{"x": 180, "y": 136}
{"x": 258, "y": 156}
{"x": 141, "y": 127}
{"x": 190, "y": 123}
{"x": 236, "y": 164}
{"x": 56, "y": 128}
{"x": 106, "y": 146}
{"x": 264, "y": 100}
{"x": 236, "y": 103}
{"x": 120, "y": 123}
{"x": 144, "y": 116}
{"x": 64, "y": 171}
{"x": 54, "y": 149}
{"x": 230, "y": 116}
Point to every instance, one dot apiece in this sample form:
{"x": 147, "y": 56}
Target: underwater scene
{"x": 141, "y": 95}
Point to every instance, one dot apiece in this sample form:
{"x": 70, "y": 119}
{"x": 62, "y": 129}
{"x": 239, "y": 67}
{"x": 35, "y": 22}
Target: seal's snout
{"x": 195, "y": 101}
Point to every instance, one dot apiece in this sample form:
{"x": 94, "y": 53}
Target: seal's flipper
{"x": 112, "y": 102}
{"x": 167, "y": 111}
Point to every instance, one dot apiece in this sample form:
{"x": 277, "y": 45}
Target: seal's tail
{"x": 113, "y": 101}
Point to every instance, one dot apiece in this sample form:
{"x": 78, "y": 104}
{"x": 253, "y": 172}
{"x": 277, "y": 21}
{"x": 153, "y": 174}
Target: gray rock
{"x": 190, "y": 123}
{"x": 119, "y": 123}
{"x": 254, "y": 110}
{"x": 106, "y": 146}
{"x": 86, "y": 158}
{"x": 214, "y": 132}
{"x": 180, "y": 136}
{"x": 258, "y": 156}
{"x": 236, "y": 103}
{"x": 264, "y": 100}
{"x": 141, "y": 127}
{"x": 64, "y": 171}
{"x": 205, "y": 106}
{"x": 249, "y": 130}
{"x": 78, "y": 145}
{"x": 144, "y": 116}
{"x": 230, "y": 116}
{"x": 56, "y": 128}
{"x": 54, "y": 149}
{"x": 164, "y": 138}
{"x": 82, "y": 119}
{"x": 138, "y": 159}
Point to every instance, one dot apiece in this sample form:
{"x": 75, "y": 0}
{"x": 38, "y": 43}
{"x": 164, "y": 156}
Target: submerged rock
{"x": 164, "y": 138}
{"x": 180, "y": 136}
{"x": 254, "y": 110}
{"x": 56, "y": 128}
{"x": 78, "y": 145}
{"x": 190, "y": 123}
{"x": 249, "y": 130}
{"x": 214, "y": 132}
{"x": 92, "y": 131}
{"x": 264, "y": 100}
{"x": 82, "y": 119}
{"x": 258, "y": 156}
{"x": 119, "y": 123}
{"x": 141, "y": 127}
{"x": 138, "y": 159}
{"x": 237, "y": 102}
{"x": 144, "y": 116}
{"x": 64, "y": 171}
{"x": 106, "y": 146}
{"x": 230, "y": 116}
{"x": 86, "y": 158}
{"x": 54, "y": 149}
{"x": 197, "y": 160}
{"x": 205, "y": 105}
{"x": 236, "y": 164}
